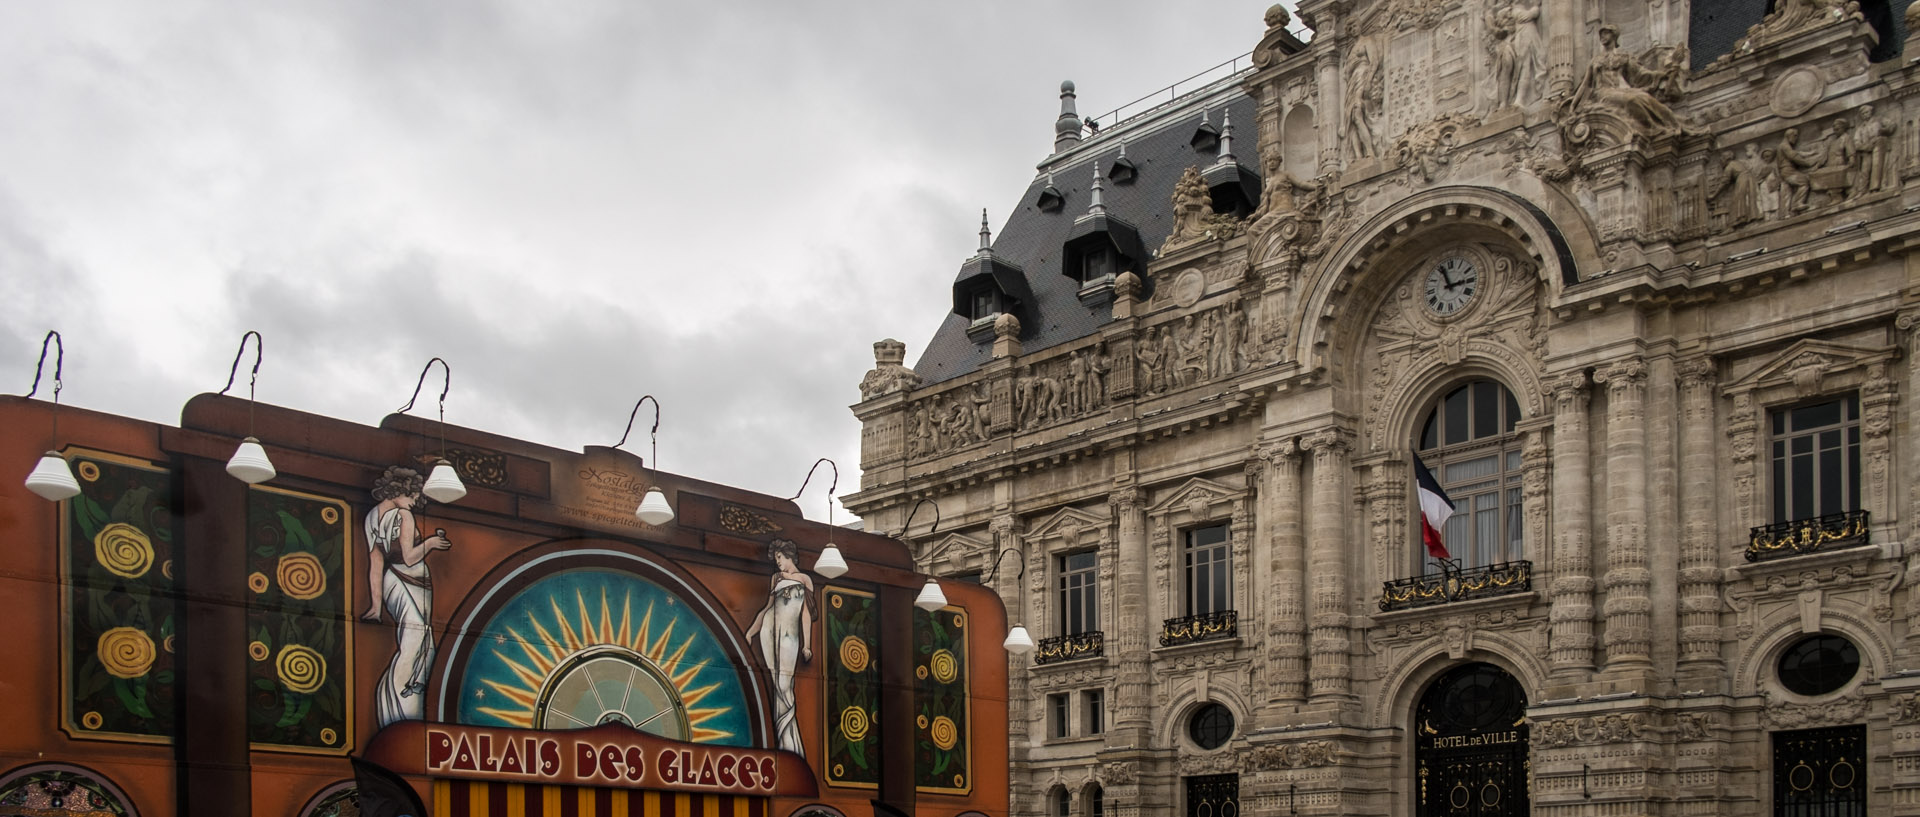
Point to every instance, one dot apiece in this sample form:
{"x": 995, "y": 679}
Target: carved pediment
{"x": 1076, "y": 527}
{"x": 951, "y": 553}
{"x": 1199, "y": 498}
{"x": 1806, "y": 367}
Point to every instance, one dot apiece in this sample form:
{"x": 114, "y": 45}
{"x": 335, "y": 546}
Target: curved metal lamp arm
{"x": 916, "y": 509}
{"x": 994, "y": 569}
{"x": 258, "y": 352}
{"x": 653, "y": 433}
{"x": 834, "y": 486}
{"x": 423, "y": 381}
{"x": 59, "y": 363}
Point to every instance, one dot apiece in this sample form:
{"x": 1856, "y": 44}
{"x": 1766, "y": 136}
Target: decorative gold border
{"x": 966, "y": 690}
{"x": 347, "y": 626}
{"x": 827, "y": 721}
{"x": 68, "y": 722}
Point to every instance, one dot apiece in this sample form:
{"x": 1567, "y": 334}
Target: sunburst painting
{"x": 590, "y": 647}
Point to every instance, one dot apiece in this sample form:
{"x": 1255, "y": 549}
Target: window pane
{"x": 1455, "y": 411}
{"x": 1486, "y": 409}
{"x": 1780, "y": 486}
{"x": 1816, "y": 415}
{"x": 1800, "y": 478}
{"x": 1474, "y": 469}
{"x": 1513, "y": 412}
{"x": 1832, "y": 484}
{"x": 1514, "y": 526}
{"x": 1430, "y": 432}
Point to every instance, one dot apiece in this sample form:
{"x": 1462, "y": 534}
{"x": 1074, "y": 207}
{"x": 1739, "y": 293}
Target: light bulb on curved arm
{"x": 830, "y": 563}
{"x": 443, "y": 485}
{"x": 249, "y": 463}
{"x": 51, "y": 478}
{"x": 1019, "y": 641}
{"x": 653, "y": 509}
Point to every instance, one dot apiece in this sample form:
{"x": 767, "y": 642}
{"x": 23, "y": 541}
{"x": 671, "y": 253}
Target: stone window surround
{"x": 1199, "y": 502}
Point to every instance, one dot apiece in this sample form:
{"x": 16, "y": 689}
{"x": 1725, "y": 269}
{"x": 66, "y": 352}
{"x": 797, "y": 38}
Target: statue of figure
{"x": 1618, "y": 82}
{"x": 1097, "y": 368}
{"x": 1221, "y": 361}
{"x": 1741, "y": 185}
{"x": 982, "y": 398}
{"x": 1198, "y": 339}
{"x": 1148, "y": 356}
{"x": 1236, "y": 340}
{"x": 938, "y": 423}
{"x": 1528, "y": 57}
{"x": 1873, "y": 143}
{"x": 1049, "y": 399}
{"x": 1076, "y": 383}
{"x": 1793, "y": 165}
{"x": 1843, "y": 159}
{"x": 921, "y": 439}
{"x": 1277, "y": 186}
{"x": 1170, "y": 357}
{"x": 960, "y": 422}
{"x": 1363, "y": 68}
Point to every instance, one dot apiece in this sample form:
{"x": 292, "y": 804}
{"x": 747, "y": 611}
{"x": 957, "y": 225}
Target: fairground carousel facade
{"x": 1630, "y": 284}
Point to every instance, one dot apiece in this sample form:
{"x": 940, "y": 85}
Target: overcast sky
{"x": 720, "y": 203}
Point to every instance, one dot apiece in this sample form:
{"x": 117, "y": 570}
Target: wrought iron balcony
{"x": 1089, "y": 644}
{"x": 1457, "y": 585}
{"x": 1830, "y": 532}
{"x": 1201, "y": 627}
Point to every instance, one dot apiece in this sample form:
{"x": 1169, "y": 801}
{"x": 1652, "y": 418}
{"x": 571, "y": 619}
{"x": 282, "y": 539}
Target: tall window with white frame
{"x": 1079, "y": 592}
{"x": 1816, "y": 459}
{"x": 1206, "y": 560}
{"x": 1469, "y": 443}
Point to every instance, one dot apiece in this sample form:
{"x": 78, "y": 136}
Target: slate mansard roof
{"x": 1158, "y": 146}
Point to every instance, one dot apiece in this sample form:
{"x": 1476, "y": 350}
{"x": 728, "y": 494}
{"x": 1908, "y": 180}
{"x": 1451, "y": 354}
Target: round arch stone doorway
{"x": 1470, "y": 745}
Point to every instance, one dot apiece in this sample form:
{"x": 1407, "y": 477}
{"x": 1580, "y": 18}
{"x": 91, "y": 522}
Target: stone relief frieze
{"x": 1775, "y": 178}
{"x": 1790, "y": 19}
{"x": 1295, "y": 755}
{"x": 1695, "y": 726}
{"x": 1587, "y": 731}
{"x": 1906, "y": 708}
{"x": 1227, "y": 761}
{"x": 1063, "y": 388}
{"x": 949, "y": 421}
{"x": 1121, "y": 773}
{"x": 1201, "y": 346}
{"x": 1425, "y": 151}
{"x": 1781, "y": 714}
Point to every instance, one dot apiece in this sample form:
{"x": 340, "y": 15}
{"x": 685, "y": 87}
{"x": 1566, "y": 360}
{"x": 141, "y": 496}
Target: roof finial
{"x": 1098, "y": 207}
{"x": 986, "y": 236}
{"x": 1066, "y": 129}
{"x": 1226, "y": 137}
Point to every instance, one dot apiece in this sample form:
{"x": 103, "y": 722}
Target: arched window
{"x": 1062, "y": 802}
{"x": 1469, "y": 443}
{"x": 1096, "y": 801}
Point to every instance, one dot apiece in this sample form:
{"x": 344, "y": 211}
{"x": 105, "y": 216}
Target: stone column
{"x": 1328, "y": 673}
{"x": 1134, "y": 682}
{"x": 1909, "y": 326}
{"x": 1628, "y": 608}
{"x": 1572, "y": 589}
{"x": 1020, "y": 609}
{"x": 1699, "y": 557}
{"x": 1561, "y": 23}
{"x": 1286, "y": 615}
{"x": 1387, "y": 515}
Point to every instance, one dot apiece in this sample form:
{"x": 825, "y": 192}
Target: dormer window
{"x": 986, "y": 304}
{"x": 1096, "y": 264}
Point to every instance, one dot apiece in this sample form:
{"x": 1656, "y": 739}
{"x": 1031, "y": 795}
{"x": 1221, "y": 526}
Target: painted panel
{"x": 300, "y": 642}
{"x": 941, "y": 756}
{"x": 118, "y": 614}
{"x": 853, "y": 689}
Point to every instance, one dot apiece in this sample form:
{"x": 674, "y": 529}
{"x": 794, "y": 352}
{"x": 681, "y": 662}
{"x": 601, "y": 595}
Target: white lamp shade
{"x": 250, "y": 464}
{"x": 931, "y": 598}
{"x": 1019, "y": 641}
{"x": 654, "y": 509}
{"x": 52, "y": 479}
{"x": 443, "y": 485}
{"x": 830, "y": 564}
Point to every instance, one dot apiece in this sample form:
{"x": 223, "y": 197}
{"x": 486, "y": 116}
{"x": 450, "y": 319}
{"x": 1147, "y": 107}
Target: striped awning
{"x": 482, "y": 798}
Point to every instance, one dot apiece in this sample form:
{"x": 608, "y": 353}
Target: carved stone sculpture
{"x": 1363, "y": 99}
{"x": 1633, "y": 92}
{"x": 1791, "y": 18}
{"x": 1793, "y": 166}
{"x": 1513, "y": 37}
{"x": 889, "y": 373}
{"x": 1740, "y": 186}
{"x": 1192, "y": 209}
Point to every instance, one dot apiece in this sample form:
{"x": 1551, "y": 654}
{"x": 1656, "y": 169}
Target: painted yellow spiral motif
{"x": 853, "y": 654}
{"x": 920, "y": 721}
{"x": 300, "y": 668}
{"x": 328, "y": 736}
{"x": 301, "y": 576}
{"x": 258, "y": 651}
{"x": 944, "y": 732}
{"x": 329, "y": 515}
{"x": 123, "y": 550}
{"x": 126, "y": 652}
{"x": 854, "y": 724}
{"x": 837, "y": 601}
{"x": 920, "y": 672}
{"x": 945, "y": 666}
{"x": 959, "y": 621}
{"x": 89, "y": 471}
{"x": 257, "y": 582}
{"x": 92, "y": 720}
{"x": 959, "y": 781}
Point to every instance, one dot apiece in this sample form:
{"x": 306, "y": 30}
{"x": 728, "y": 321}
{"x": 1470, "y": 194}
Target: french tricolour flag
{"x": 1435, "y": 508}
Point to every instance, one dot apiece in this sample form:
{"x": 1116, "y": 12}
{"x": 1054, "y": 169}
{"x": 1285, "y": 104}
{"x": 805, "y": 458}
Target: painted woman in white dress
{"x": 785, "y": 629}
{"x": 397, "y": 578}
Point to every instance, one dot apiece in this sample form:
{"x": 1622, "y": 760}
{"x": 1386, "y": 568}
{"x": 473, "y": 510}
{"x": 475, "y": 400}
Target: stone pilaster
{"x": 1909, "y": 326}
{"x": 1628, "y": 609}
{"x": 1133, "y": 682}
{"x": 1572, "y": 588}
{"x": 1006, "y": 535}
{"x": 1387, "y": 515}
{"x": 1329, "y": 674}
{"x": 1699, "y": 607}
{"x": 1286, "y": 614}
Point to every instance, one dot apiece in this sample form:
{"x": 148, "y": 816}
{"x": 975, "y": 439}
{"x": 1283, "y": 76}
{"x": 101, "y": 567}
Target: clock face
{"x": 1451, "y": 284}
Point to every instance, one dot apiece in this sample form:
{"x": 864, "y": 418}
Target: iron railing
{"x": 1457, "y": 584}
{"x": 1090, "y": 644}
{"x": 1835, "y": 530}
{"x": 1199, "y": 627}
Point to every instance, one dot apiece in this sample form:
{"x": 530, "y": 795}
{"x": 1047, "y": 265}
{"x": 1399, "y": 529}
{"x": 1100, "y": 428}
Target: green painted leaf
{"x": 133, "y": 695}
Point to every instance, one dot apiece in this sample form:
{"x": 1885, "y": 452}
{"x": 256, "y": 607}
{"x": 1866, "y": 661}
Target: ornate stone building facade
{"x": 1634, "y": 281}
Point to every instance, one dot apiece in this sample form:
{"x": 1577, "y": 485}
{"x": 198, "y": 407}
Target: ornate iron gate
{"x": 1820, "y": 772}
{"x": 1213, "y": 795}
{"x": 1471, "y": 745}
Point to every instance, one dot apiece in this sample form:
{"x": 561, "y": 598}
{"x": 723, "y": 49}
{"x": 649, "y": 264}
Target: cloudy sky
{"x": 720, "y": 203}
